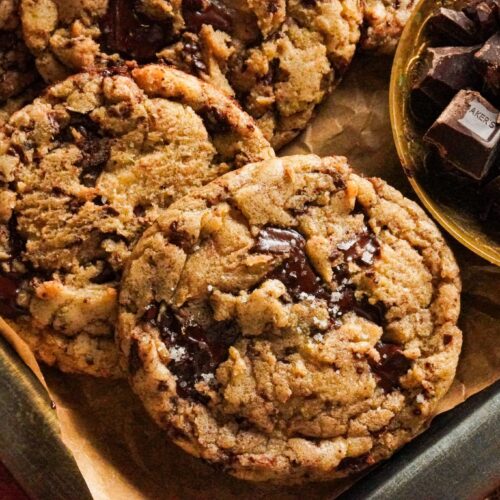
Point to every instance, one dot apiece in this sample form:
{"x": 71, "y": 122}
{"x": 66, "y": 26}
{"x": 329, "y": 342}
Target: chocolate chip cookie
{"x": 383, "y": 23}
{"x": 83, "y": 171}
{"x": 277, "y": 58}
{"x": 17, "y": 67}
{"x": 291, "y": 321}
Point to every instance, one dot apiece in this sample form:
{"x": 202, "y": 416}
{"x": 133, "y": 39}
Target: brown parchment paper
{"x": 122, "y": 454}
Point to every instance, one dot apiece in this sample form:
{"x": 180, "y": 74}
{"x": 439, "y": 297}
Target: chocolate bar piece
{"x": 467, "y": 134}
{"x": 447, "y": 70}
{"x": 487, "y": 63}
{"x": 449, "y": 26}
{"x": 485, "y": 16}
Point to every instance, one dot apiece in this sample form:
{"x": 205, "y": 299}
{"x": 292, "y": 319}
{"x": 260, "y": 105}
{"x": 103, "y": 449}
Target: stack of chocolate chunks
{"x": 456, "y": 96}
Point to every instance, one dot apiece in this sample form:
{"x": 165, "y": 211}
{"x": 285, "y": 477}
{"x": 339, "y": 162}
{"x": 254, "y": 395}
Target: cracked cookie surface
{"x": 84, "y": 170}
{"x": 278, "y": 58}
{"x": 291, "y": 321}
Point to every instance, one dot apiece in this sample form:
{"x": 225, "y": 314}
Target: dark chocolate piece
{"x": 195, "y": 350}
{"x": 300, "y": 277}
{"x": 485, "y": 15}
{"x": 127, "y": 31}
{"x": 449, "y": 26}
{"x": 487, "y": 63}
{"x": 393, "y": 364}
{"x": 447, "y": 70}
{"x": 199, "y": 12}
{"x": 467, "y": 134}
{"x": 9, "y": 290}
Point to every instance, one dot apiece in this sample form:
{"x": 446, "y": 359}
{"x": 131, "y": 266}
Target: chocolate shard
{"x": 129, "y": 32}
{"x": 485, "y": 15}
{"x": 447, "y": 70}
{"x": 467, "y": 134}
{"x": 449, "y": 26}
{"x": 487, "y": 63}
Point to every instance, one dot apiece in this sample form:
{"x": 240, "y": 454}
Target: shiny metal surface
{"x": 30, "y": 443}
{"x": 457, "y": 458}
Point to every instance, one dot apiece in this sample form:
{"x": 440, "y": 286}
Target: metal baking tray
{"x": 458, "y": 457}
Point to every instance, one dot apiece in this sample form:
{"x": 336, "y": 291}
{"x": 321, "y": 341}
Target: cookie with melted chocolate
{"x": 291, "y": 321}
{"x": 279, "y": 58}
{"x": 84, "y": 170}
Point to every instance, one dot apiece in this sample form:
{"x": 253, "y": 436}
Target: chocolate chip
{"x": 127, "y": 31}
{"x": 134, "y": 359}
{"x": 9, "y": 290}
{"x": 16, "y": 242}
{"x": 95, "y": 150}
{"x": 179, "y": 237}
{"x": 393, "y": 364}
{"x": 355, "y": 464}
{"x": 195, "y": 350}
{"x": 215, "y": 122}
{"x": 361, "y": 248}
{"x": 107, "y": 275}
{"x": 191, "y": 54}
{"x": 300, "y": 278}
{"x": 196, "y": 13}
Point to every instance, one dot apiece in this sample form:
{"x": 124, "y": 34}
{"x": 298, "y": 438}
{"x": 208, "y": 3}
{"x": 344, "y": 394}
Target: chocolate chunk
{"x": 196, "y": 13}
{"x": 487, "y": 63}
{"x": 95, "y": 150}
{"x": 194, "y": 350}
{"x": 191, "y": 54}
{"x": 295, "y": 272}
{"x": 134, "y": 360}
{"x": 449, "y": 26}
{"x": 215, "y": 122}
{"x": 107, "y": 275}
{"x": 393, "y": 364}
{"x": 485, "y": 15}
{"x": 9, "y": 290}
{"x": 127, "y": 31}
{"x": 447, "y": 70}
{"x": 467, "y": 134}
{"x": 301, "y": 279}
{"x": 179, "y": 237}
{"x": 355, "y": 464}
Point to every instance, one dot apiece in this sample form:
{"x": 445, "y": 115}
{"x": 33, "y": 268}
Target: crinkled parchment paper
{"x": 120, "y": 451}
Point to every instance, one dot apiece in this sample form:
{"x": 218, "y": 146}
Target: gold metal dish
{"x": 461, "y": 224}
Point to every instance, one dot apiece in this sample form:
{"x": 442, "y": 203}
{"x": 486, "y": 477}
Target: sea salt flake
{"x": 177, "y": 353}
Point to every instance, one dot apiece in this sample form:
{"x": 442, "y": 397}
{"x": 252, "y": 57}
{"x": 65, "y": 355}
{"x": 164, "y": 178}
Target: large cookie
{"x": 83, "y": 171}
{"x": 278, "y": 58}
{"x": 17, "y": 67}
{"x": 383, "y": 23}
{"x": 291, "y": 320}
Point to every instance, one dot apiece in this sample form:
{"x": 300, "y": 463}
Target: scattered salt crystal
{"x": 177, "y": 353}
{"x": 207, "y": 377}
{"x": 210, "y": 288}
{"x": 420, "y": 398}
